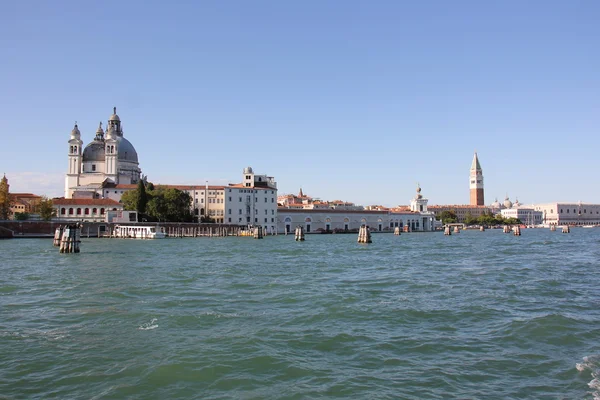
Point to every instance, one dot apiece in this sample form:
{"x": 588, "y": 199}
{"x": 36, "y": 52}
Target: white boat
{"x": 139, "y": 232}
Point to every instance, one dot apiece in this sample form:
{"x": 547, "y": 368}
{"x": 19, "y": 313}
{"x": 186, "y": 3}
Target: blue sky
{"x": 349, "y": 100}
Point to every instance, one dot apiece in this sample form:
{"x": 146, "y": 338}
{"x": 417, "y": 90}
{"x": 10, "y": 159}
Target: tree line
{"x": 449, "y": 217}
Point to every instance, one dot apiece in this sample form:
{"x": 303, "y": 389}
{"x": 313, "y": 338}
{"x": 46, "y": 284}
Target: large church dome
{"x": 127, "y": 151}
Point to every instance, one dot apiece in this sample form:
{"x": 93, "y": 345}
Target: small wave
{"x": 149, "y": 325}
{"x": 592, "y": 364}
{"x": 221, "y": 315}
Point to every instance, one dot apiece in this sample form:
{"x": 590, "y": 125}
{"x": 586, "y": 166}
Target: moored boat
{"x": 139, "y": 232}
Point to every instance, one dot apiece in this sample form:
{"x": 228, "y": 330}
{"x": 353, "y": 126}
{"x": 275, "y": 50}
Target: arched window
{"x": 102, "y": 211}
{"x": 63, "y": 211}
{"x": 79, "y": 211}
{"x": 114, "y": 209}
{"x": 94, "y": 210}
{"x": 308, "y": 220}
{"x": 87, "y": 211}
{"x": 70, "y": 211}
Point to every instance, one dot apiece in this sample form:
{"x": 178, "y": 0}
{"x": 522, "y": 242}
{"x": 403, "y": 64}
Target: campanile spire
{"x": 476, "y": 183}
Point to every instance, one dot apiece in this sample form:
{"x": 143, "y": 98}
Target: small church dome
{"x": 507, "y": 203}
{"x": 75, "y": 134}
{"x": 248, "y": 170}
{"x": 496, "y": 204}
{"x": 114, "y": 116}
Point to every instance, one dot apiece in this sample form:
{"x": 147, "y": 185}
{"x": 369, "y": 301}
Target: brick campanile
{"x": 476, "y": 183}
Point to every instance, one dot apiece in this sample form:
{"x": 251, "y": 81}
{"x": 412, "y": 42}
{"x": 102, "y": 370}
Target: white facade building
{"x": 569, "y": 213}
{"x": 527, "y": 216}
{"x": 84, "y": 210}
{"x": 252, "y": 202}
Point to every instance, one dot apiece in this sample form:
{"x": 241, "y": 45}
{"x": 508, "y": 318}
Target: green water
{"x": 479, "y": 315}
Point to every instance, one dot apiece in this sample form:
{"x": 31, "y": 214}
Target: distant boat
{"x": 139, "y": 232}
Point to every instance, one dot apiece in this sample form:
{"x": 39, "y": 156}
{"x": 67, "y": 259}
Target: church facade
{"x": 107, "y": 161}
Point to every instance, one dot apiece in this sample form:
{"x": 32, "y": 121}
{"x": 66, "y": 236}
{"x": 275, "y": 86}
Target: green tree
{"x": 129, "y": 200}
{"x": 169, "y": 204}
{"x": 142, "y": 198}
{"x": 487, "y": 219}
{"x": 6, "y": 202}
{"x": 469, "y": 219}
{"x": 46, "y": 208}
{"x": 21, "y": 216}
{"x": 448, "y": 217}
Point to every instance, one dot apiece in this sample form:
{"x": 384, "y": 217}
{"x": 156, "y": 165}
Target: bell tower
{"x": 476, "y": 183}
{"x": 75, "y": 156}
{"x": 112, "y": 147}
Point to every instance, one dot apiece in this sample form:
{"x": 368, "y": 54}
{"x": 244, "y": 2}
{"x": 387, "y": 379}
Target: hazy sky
{"x": 351, "y": 100}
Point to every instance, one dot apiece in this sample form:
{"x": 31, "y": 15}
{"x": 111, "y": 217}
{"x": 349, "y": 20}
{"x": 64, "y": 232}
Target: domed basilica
{"x": 108, "y": 160}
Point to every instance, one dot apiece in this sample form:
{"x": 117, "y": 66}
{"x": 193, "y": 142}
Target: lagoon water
{"x": 478, "y": 315}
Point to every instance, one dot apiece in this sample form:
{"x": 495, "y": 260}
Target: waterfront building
{"x": 21, "y": 203}
{"x": 253, "y": 201}
{"x": 84, "y": 210}
{"x": 338, "y": 219}
{"x": 108, "y": 161}
{"x": 27, "y": 203}
{"x": 563, "y": 213}
{"x": 476, "y": 183}
{"x": 526, "y": 215}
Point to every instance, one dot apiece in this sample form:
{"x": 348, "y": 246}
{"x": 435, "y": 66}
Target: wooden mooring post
{"x": 58, "y": 236}
{"x": 70, "y": 239}
{"x": 364, "y": 235}
{"x": 299, "y": 234}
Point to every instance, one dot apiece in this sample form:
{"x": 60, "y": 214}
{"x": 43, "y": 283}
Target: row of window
{"x": 93, "y": 168}
{"x": 219, "y": 193}
{"x": 248, "y": 211}
{"x": 85, "y": 211}
{"x": 575, "y": 211}
{"x": 255, "y": 220}
{"x": 221, "y": 201}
